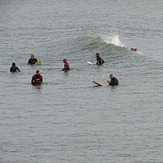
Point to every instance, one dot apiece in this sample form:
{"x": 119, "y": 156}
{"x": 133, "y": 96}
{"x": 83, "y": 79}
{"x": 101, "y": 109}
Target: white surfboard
{"x": 38, "y": 63}
{"x": 90, "y": 63}
{"x": 99, "y": 84}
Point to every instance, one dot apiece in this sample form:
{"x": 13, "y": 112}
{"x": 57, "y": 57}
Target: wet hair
{"x": 13, "y": 64}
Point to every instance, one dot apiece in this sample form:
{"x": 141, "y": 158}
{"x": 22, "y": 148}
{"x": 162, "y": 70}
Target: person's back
{"x": 14, "y": 68}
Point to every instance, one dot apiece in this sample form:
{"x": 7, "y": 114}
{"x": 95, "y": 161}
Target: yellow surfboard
{"x": 99, "y": 84}
{"x": 38, "y": 63}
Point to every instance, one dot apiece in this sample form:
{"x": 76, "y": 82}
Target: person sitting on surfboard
{"x": 14, "y": 68}
{"x": 37, "y": 78}
{"x": 100, "y": 61}
{"x": 114, "y": 81}
{"x": 134, "y": 49}
{"x": 32, "y": 60}
{"x": 66, "y": 65}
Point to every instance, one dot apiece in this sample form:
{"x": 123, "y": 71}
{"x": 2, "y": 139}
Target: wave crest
{"x": 113, "y": 40}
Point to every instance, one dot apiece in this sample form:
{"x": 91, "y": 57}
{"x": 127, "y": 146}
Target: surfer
{"x": 32, "y": 60}
{"x": 14, "y": 68}
{"x": 37, "y": 78}
{"x": 134, "y": 49}
{"x": 66, "y": 65}
{"x": 114, "y": 81}
{"x": 100, "y": 61}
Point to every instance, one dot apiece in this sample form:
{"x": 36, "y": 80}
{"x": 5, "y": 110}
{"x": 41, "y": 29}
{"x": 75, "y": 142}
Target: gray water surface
{"x": 69, "y": 118}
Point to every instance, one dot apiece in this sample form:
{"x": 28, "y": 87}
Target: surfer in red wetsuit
{"x": 37, "y": 78}
{"x": 134, "y": 49}
{"x": 66, "y": 65}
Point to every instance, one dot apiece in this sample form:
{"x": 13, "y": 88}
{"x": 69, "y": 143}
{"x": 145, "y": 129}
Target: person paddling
{"x": 37, "y": 78}
{"x": 134, "y": 49}
{"x": 66, "y": 65}
{"x": 14, "y": 68}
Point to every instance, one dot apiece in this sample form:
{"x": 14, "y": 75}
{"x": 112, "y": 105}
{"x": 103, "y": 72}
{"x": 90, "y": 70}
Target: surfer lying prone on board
{"x": 37, "y": 78}
{"x": 134, "y": 49}
{"x": 66, "y": 65}
{"x": 113, "y": 81}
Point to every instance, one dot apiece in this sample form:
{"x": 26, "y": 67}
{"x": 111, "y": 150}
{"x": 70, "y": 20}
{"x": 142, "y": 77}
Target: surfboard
{"x": 90, "y": 63}
{"x": 99, "y": 84}
{"x": 38, "y": 63}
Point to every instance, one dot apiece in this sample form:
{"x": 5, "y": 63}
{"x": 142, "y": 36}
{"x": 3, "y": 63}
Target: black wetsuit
{"x": 32, "y": 61}
{"x": 99, "y": 61}
{"x": 14, "y": 69}
{"x": 114, "y": 81}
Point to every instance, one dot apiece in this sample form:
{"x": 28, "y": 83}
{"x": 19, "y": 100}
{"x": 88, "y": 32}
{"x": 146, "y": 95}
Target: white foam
{"x": 113, "y": 40}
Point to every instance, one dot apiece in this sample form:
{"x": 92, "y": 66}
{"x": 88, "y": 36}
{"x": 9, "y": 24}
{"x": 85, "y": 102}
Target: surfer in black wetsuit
{"x": 100, "y": 61}
{"x": 14, "y": 68}
{"x": 114, "y": 81}
{"x": 32, "y": 60}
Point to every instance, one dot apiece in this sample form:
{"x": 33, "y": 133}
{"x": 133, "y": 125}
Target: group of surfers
{"x": 38, "y": 78}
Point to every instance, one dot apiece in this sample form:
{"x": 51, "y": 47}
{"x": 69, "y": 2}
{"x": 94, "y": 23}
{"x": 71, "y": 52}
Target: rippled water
{"x": 69, "y": 119}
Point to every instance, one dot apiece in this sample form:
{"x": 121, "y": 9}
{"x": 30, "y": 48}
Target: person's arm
{"x": 101, "y": 60}
{"x": 41, "y": 78}
{"x": 111, "y": 82}
{"x": 18, "y": 69}
{"x": 32, "y": 80}
{"x": 28, "y": 61}
{"x": 36, "y": 60}
{"x": 97, "y": 61}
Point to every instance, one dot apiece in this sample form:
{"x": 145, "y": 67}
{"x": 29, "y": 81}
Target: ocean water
{"x": 69, "y": 118}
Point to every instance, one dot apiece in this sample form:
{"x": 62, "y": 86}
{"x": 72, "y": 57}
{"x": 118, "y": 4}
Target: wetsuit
{"x": 114, "y": 81}
{"x": 66, "y": 66}
{"x": 37, "y": 79}
{"x": 14, "y": 69}
{"x": 32, "y": 61}
{"x": 99, "y": 61}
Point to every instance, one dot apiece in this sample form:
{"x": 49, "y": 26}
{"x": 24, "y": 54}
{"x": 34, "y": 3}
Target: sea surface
{"x": 69, "y": 119}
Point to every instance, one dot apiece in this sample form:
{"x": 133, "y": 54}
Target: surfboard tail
{"x": 99, "y": 84}
{"x": 38, "y": 63}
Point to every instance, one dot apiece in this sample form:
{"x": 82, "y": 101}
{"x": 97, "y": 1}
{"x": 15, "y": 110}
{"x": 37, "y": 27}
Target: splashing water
{"x": 113, "y": 40}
